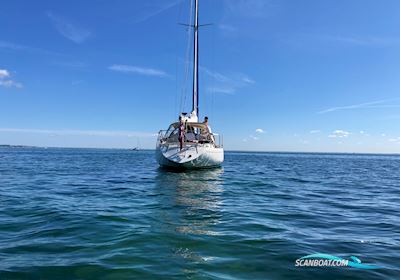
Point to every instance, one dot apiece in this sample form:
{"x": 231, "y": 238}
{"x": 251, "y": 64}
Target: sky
{"x": 275, "y": 75}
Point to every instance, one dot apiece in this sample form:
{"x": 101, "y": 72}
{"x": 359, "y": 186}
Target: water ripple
{"x": 113, "y": 214}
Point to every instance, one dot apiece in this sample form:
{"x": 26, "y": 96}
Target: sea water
{"x": 114, "y": 214}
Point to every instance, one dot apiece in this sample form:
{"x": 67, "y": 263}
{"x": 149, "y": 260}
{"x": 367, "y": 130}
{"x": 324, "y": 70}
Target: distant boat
{"x": 188, "y": 143}
{"x": 137, "y": 148}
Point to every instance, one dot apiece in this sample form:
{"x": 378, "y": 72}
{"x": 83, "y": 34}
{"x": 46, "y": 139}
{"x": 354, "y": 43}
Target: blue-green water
{"x": 113, "y": 214}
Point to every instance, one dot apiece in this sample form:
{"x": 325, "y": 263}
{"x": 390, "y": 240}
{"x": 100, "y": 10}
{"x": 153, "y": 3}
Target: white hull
{"x": 194, "y": 156}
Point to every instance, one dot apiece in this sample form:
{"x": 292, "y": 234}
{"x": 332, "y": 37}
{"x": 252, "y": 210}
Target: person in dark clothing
{"x": 181, "y": 135}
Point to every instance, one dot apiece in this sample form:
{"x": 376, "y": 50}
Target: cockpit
{"x": 194, "y": 133}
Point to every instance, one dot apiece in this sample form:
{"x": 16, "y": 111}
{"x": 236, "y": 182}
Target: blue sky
{"x": 276, "y": 75}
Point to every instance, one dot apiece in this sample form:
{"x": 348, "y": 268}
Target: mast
{"x": 196, "y": 61}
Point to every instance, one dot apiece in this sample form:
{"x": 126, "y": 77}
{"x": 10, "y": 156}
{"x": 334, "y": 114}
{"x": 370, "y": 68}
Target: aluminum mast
{"x": 196, "y": 61}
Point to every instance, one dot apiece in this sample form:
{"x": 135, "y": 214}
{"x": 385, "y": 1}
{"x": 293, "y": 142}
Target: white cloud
{"x": 363, "y": 41}
{"x": 224, "y": 90}
{"x": 339, "y": 134}
{"x": 395, "y": 140}
{"x": 16, "y": 47}
{"x": 4, "y": 73}
{"x": 253, "y": 137}
{"x": 215, "y": 75}
{"x": 69, "y": 30}
{"x": 154, "y": 10}
{"x": 71, "y": 64}
{"x": 6, "y": 81}
{"x": 227, "y": 84}
{"x": 227, "y": 28}
{"x": 366, "y": 105}
{"x": 305, "y": 39}
{"x": 12, "y": 46}
{"x": 248, "y": 8}
{"x": 138, "y": 70}
{"x": 77, "y": 82}
{"x": 246, "y": 79}
{"x": 10, "y": 83}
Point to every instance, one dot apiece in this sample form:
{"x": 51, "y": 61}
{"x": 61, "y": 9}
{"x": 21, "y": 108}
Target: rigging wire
{"x": 213, "y": 62}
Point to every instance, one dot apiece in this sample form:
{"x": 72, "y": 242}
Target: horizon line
{"x": 234, "y": 151}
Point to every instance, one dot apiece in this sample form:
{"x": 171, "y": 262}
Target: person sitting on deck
{"x": 209, "y": 133}
{"x": 206, "y": 123}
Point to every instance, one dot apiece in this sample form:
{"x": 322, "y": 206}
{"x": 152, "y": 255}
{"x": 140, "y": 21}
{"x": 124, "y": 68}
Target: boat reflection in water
{"x": 189, "y": 210}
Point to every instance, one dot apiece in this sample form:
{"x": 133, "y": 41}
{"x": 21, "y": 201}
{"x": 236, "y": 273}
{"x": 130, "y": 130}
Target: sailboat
{"x": 188, "y": 143}
{"x": 137, "y": 148}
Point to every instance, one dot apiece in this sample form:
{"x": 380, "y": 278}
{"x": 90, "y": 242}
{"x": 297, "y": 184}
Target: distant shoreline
{"x": 229, "y": 151}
